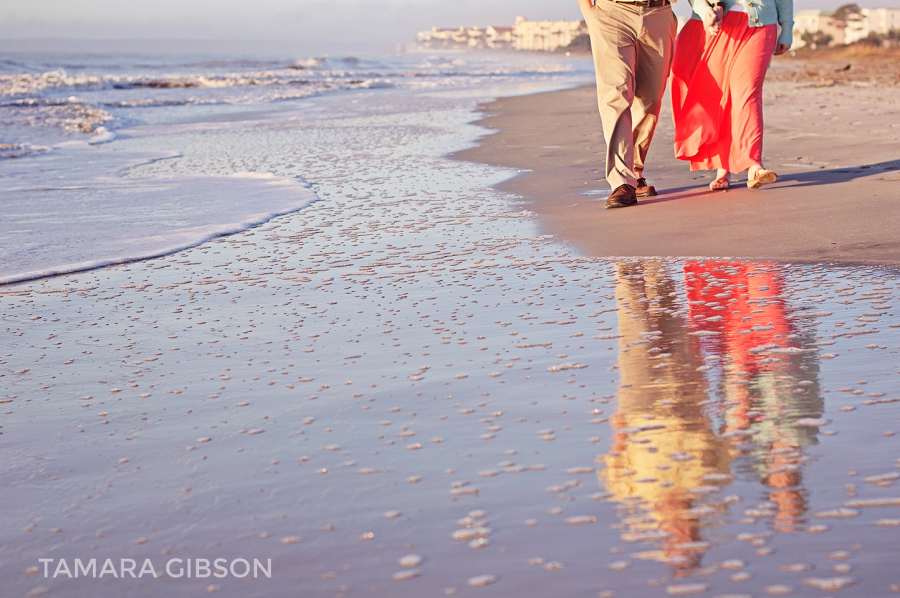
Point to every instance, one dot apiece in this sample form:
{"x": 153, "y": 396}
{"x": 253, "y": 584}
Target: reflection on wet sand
{"x": 772, "y": 377}
{"x": 707, "y": 393}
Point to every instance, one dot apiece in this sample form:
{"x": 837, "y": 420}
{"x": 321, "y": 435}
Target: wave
{"x": 31, "y": 84}
{"x": 310, "y": 63}
{"x": 72, "y": 114}
{"x": 18, "y": 150}
{"x": 101, "y": 135}
{"x": 36, "y": 85}
{"x": 98, "y": 222}
{"x": 338, "y": 72}
{"x": 287, "y": 90}
{"x": 77, "y": 102}
{"x": 323, "y": 62}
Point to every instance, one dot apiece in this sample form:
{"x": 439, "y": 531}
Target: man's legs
{"x": 654, "y": 48}
{"x": 613, "y": 36}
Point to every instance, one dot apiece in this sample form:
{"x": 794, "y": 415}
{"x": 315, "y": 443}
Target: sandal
{"x": 720, "y": 184}
{"x": 761, "y": 177}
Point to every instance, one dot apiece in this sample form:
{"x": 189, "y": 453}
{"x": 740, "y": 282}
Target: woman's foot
{"x": 722, "y": 181}
{"x": 758, "y": 176}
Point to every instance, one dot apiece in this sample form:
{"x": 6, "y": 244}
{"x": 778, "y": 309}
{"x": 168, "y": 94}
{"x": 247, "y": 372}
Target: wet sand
{"x": 407, "y": 390}
{"x": 835, "y": 148}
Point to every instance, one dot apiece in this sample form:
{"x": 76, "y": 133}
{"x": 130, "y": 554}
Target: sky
{"x": 305, "y": 24}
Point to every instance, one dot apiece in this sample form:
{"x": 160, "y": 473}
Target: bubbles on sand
{"x": 829, "y": 584}
{"x": 411, "y": 560}
{"x": 686, "y": 589}
{"x": 479, "y": 581}
{"x": 406, "y": 574}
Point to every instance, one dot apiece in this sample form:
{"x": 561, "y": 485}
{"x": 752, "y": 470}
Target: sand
{"x": 407, "y": 389}
{"x": 835, "y": 148}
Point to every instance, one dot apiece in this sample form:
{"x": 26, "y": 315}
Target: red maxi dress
{"x": 717, "y": 93}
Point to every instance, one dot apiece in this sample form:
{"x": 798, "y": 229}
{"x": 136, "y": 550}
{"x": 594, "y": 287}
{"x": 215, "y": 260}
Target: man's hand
{"x": 781, "y": 49}
{"x": 585, "y": 6}
{"x": 712, "y": 20}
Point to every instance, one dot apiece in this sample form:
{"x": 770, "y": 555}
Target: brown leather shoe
{"x": 622, "y": 197}
{"x": 643, "y": 189}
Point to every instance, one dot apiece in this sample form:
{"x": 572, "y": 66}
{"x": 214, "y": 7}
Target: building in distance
{"x": 812, "y": 28}
{"x": 473, "y": 37}
{"x": 540, "y": 36}
{"x": 545, "y": 36}
{"x": 848, "y": 24}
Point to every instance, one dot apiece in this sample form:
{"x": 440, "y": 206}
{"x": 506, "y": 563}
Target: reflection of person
{"x": 717, "y": 79}
{"x": 664, "y": 445}
{"x": 667, "y": 445}
{"x": 632, "y": 43}
{"x": 742, "y": 304}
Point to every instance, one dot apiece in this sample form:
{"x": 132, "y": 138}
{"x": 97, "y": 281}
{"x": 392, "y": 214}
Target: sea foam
{"x": 51, "y": 226}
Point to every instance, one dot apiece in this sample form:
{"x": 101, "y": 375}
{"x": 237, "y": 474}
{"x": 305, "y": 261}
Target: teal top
{"x": 762, "y": 12}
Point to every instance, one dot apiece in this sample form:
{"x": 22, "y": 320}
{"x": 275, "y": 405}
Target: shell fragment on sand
{"x": 482, "y": 580}
{"x": 872, "y": 502}
{"x": 686, "y": 589}
{"x": 886, "y": 477}
{"x": 843, "y": 513}
{"x": 791, "y": 351}
{"x": 829, "y": 584}
{"x": 408, "y": 574}
{"x": 411, "y": 560}
{"x": 464, "y": 535}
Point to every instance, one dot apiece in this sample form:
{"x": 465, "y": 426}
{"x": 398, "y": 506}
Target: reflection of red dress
{"x": 772, "y": 325}
{"x": 717, "y": 93}
{"x": 769, "y": 326}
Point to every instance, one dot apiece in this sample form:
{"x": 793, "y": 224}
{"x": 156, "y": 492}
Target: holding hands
{"x": 712, "y": 17}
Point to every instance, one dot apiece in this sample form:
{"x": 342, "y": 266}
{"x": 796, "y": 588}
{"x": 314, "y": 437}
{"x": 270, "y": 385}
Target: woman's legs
{"x": 695, "y": 96}
{"x": 701, "y": 106}
{"x": 745, "y": 83}
{"x": 717, "y": 98}
{"x": 722, "y": 180}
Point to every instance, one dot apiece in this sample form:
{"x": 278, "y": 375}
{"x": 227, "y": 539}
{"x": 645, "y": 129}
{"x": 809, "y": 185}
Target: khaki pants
{"x": 632, "y": 48}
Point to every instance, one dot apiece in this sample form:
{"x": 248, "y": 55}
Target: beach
{"x": 833, "y": 146}
{"x": 433, "y": 364}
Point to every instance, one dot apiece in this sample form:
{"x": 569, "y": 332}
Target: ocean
{"x": 89, "y": 143}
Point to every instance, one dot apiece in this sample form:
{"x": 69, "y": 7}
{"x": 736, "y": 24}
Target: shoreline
{"x": 404, "y": 389}
{"x": 833, "y": 202}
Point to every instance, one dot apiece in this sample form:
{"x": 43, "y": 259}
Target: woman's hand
{"x": 781, "y": 49}
{"x": 712, "y": 19}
